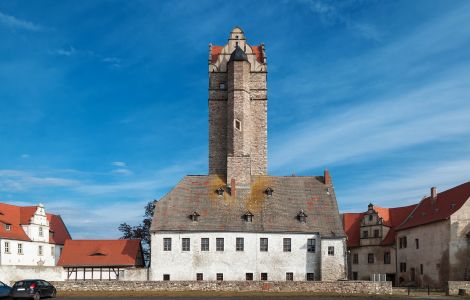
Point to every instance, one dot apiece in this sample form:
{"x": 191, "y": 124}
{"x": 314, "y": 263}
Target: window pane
{"x": 287, "y": 245}
{"x": 240, "y": 244}
{"x": 204, "y": 244}
{"x": 219, "y": 244}
{"x": 331, "y": 250}
{"x": 264, "y": 276}
{"x": 167, "y": 244}
{"x": 186, "y": 246}
{"x": 310, "y": 277}
{"x": 249, "y": 276}
{"x": 311, "y": 245}
{"x": 263, "y": 244}
{"x": 199, "y": 276}
{"x": 289, "y": 276}
{"x": 220, "y": 276}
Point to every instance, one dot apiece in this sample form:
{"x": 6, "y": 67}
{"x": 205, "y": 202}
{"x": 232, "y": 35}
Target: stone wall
{"x": 454, "y": 286}
{"x": 337, "y": 287}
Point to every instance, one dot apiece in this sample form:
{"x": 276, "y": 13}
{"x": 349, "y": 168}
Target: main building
{"x": 238, "y": 223}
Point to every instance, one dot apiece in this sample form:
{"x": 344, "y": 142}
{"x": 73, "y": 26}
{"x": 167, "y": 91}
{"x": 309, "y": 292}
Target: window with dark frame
{"x": 8, "y": 227}
{"x": 166, "y": 244}
{"x": 417, "y": 243}
{"x": 220, "y": 276}
{"x": 355, "y": 258}
{"x": 387, "y": 258}
{"x": 263, "y": 244}
{"x": 286, "y": 244}
{"x": 402, "y": 267}
{"x": 310, "y": 276}
{"x": 421, "y": 269}
{"x": 354, "y": 275}
{"x": 240, "y": 244}
{"x": 311, "y": 245}
{"x": 376, "y": 233}
{"x": 199, "y": 276}
{"x": 166, "y": 277}
{"x": 219, "y": 244}
{"x": 186, "y": 244}
{"x": 289, "y": 276}
{"x": 264, "y": 276}
{"x": 371, "y": 217}
{"x": 204, "y": 244}
{"x": 370, "y": 258}
{"x": 365, "y": 234}
{"x": 331, "y": 250}
{"x": 249, "y": 276}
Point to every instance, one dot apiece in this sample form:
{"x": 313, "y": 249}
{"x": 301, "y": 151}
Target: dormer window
{"x": 248, "y": 216}
{"x": 269, "y": 191}
{"x": 194, "y": 216}
{"x": 8, "y": 227}
{"x": 302, "y": 216}
{"x": 220, "y": 191}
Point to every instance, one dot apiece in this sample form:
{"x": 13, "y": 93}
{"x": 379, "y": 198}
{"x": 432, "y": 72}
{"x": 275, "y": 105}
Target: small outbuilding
{"x": 100, "y": 259}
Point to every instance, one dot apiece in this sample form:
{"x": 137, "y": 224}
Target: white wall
{"x": 333, "y": 267}
{"x": 182, "y": 265}
{"x": 10, "y": 274}
{"x": 30, "y": 256}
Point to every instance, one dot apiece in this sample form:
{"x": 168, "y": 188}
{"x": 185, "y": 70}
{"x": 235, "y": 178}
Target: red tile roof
{"x": 392, "y": 217}
{"x": 101, "y": 253}
{"x": 441, "y": 208}
{"x": 216, "y": 50}
{"x": 21, "y": 215}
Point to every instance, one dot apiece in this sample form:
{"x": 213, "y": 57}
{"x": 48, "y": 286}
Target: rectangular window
{"x": 289, "y": 276}
{"x": 7, "y": 227}
{"x": 370, "y": 258}
{"x": 402, "y": 267}
{"x": 264, "y": 276}
{"x": 287, "y": 244}
{"x": 41, "y": 233}
{"x": 249, "y": 276}
{"x": 371, "y": 217}
{"x": 166, "y": 277}
{"x": 376, "y": 233}
{"x": 331, "y": 250}
{"x": 354, "y": 276}
{"x": 186, "y": 244}
{"x": 421, "y": 269}
{"x": 199, "y": 276}
{"x": 52, "y": 251}
{"x": 402, "y": 241}
{"x": 7, "y": 247}
{"x": 310, "y": 276}
{"x": 20, "y": 248}
{"x": 240, "y": 244}
{"x": 365, "y": 234}
{"x": 220, "y": 276}
{"x": 417, "y": 243}
{"x": 355, "y": 258}
{"x": 219, "y": 244}
{"x": 166, "y": 244}
{"x": 311, "y": 245}
{"x": 204, "y": 244}
{"x": 263, "y": 244}
{"x": 387, "y": 258}
{"x": 40, "y": 250}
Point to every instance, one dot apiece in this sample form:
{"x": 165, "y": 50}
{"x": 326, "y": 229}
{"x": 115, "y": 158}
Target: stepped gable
{"x": 278, "y": 212}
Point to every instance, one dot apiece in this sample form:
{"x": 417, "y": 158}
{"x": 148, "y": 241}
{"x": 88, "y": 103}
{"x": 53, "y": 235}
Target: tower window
{"x": 222, "y": 86}
{"x": 238, "y": 125}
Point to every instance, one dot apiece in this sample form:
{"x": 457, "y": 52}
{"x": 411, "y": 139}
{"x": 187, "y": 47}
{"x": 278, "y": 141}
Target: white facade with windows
{"x": 241, "y": 256}
{"x": 28, "y": 244}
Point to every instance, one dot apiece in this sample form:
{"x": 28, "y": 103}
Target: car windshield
{"x": 2, "y": 284}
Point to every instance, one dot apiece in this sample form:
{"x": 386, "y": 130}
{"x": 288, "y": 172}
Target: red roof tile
{"x": 101, "y": 253}
{"x": 216, "y": 50}
{"x": 21, "y": 215}
{"x": 392, "y": 217}
{"x": 441, "y": 208}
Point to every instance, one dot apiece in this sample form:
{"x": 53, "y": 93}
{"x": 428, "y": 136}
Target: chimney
{"x": 233, "y": 188}
{"x": 433, "y": 195}
{"x": 327, "y": 177}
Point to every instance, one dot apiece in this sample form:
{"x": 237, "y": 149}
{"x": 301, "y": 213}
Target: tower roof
{"x": 238, "y": 55}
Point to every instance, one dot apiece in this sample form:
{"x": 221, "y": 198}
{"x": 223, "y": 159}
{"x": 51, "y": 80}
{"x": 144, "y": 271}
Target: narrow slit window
{"x": 238, "y": 125}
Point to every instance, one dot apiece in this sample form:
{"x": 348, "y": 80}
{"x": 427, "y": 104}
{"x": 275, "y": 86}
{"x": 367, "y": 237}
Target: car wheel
{"x": 36, "y": 296}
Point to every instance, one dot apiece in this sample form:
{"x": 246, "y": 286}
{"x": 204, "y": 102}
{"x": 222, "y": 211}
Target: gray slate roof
{"x": 276, "y": 213}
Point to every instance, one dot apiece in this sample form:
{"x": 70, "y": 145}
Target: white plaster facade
{"x": 38, "y": 251}
{"x": 233, "y": 264}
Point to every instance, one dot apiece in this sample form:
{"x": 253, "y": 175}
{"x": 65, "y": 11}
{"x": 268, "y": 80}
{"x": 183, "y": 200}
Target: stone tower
{"x": 237, "y": 110}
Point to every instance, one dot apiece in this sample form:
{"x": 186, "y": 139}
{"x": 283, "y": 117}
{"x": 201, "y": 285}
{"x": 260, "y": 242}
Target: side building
{"x": 433, "y": 244}
{"x": 371, "y": 241}
{"x": 29, "y": 236}
{"x": 238, "y": 223}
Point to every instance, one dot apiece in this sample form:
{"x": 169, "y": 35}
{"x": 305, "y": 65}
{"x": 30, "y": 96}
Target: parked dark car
{"x": 32, "y": 288}
{"x": 4, "y": 290}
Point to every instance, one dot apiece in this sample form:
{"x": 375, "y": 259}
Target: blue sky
{"x": 103, "y": 104}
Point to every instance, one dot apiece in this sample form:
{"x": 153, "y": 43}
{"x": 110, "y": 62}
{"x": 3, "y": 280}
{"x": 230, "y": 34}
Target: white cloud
{"x": 123, "y": 171}
{"x": 14, "y": 22}
{"x": 14, "y": 181}
{"x": 25, "y": 156}
{"x": 119, "y": 164}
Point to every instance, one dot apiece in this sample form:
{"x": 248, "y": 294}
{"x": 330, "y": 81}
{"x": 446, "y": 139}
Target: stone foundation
{"x": 453, "y": 287}
{"x": 320, "y": 287}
